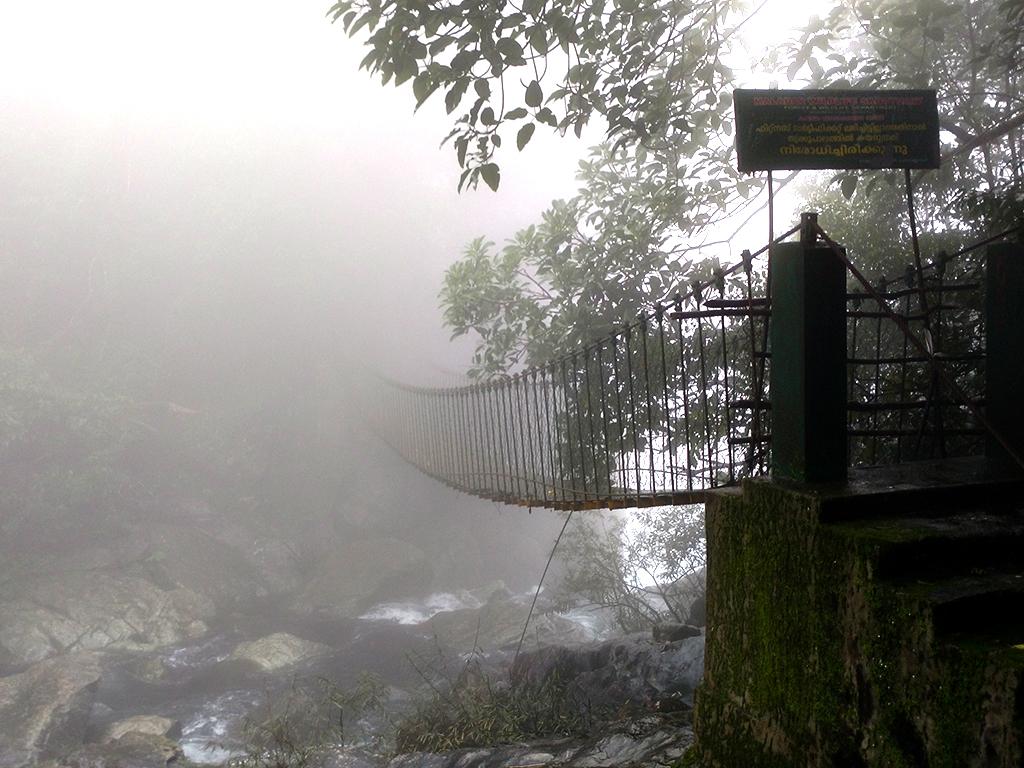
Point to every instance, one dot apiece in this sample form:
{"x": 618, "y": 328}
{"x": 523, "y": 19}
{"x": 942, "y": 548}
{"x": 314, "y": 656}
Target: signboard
{"x": 803, "y": 130}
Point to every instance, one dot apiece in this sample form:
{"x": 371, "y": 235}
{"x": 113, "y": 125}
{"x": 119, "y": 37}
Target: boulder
{"x": 278, "y": 651}
{"x": 631, "y": 670}
{"x": 698, "y": 612}
{"x": 220, "y": 567}
{"x": 352, "y": 577}
{"x": 45, "y": 709}
{"x": 132, "y": 750}
{"x": 499, "y": 624}
{"x": 648, "y": 742}
{"x": 62, "y": 614}
{"x": 668, "y": 632}
{"x": 149, "y": 725}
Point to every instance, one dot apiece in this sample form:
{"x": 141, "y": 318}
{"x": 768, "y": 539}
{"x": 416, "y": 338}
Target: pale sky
{"x": 274, "y": 82}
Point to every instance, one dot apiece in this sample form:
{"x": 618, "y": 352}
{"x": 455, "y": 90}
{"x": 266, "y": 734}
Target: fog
{"x": 210, "y": 221}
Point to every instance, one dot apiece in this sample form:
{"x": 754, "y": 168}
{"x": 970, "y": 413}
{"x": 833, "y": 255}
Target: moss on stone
{"x": 812, "y": 660}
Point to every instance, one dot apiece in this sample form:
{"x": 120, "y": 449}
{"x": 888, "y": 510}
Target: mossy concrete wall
{"x": 813, "y": 661}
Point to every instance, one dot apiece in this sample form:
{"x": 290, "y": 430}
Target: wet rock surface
{"x": 45, "y": 710}
{"x": 499, "y": 624}
{"x": 147, "y": 725}
{"x": 642, "y": 743}
{"x": 102, "y": 611}
{"x": 632, "y": 670}
{"x": 132, "y": 750}
{"x": 177, "y": 666}
{"x": 277, "y": 651}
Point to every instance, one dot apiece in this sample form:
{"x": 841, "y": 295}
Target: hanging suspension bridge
{"x": 676, "y": 403}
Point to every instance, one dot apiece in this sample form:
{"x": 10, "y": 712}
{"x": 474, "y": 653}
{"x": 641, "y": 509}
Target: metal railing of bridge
{"x": 675, "y": 403}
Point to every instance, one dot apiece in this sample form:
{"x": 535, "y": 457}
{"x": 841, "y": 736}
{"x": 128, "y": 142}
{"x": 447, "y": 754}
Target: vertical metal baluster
{"x": 604, "y": 419}
{"x": 684, "y": 374}
{"x": 704, "y": 384}
{"x": 579, "y": 427}
{"x": 725, "y": 382}
{"x": 627, "y": 335}
{"x": 876, "y": 394}
{"x": 539, "y": 444}
{"x": 762, "y": 377}
{"x": 523, "y": 444}
{"x": 553, "y": 494}
{"x": 620, "y": 420}
{"x": 428, "y": 417}
{"x": 511, "y": 439}
{"x": 555, "y": 432}
{"x": 940, "y": 271}
{"x": 487, "y": 481}
{"x": 472, "y": 454}
{"x": 568, "y": 432}
{"x": 643, "y": 327}
{"x": 417, "y": 450}
{"x": 494, "y": 438}
{"x": 421, "y": 407}
{"x": 453, "y": 434}
{"x": 497, "y": 401}
{"x": 909, "y": 279}
{"x": 479, "y": 453}
{"x": 659, "y": 313}
{"x": 755, "y": 385}
{"x": 497, "y": 404}
{"x": 457, "y": 435}
{"x": 590, "y": 422}
{"x": 852, "y": 386}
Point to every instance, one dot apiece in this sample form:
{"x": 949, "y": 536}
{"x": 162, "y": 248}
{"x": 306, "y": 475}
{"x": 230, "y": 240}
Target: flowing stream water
{"x": 211, "y": 695}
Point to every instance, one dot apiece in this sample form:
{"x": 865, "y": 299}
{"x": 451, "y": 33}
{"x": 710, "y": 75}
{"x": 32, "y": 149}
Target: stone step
{"x": 986, "y": 605}
{"x": 933, "y": 547}
{"x": 916, "y": 489}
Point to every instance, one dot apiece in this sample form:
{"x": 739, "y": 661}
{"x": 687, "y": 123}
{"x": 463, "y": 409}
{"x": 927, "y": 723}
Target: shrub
{"x": 480, "y": 711}
{"x": 647, "y": 568}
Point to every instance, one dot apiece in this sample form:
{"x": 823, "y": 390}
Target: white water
{"x": 419, "y": 611}
{"x": 205, "y": 739}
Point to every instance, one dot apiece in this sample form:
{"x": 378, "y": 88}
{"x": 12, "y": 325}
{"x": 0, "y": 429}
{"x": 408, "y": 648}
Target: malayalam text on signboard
{"x": 804, "y": 130}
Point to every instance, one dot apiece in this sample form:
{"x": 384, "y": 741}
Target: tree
{"x": 971, "y": 51}
{"x": 658, "y": 74}
{"x": 652, "y": 70}
{"x": 650, "y": 571}
{"x": 651, "y": 194}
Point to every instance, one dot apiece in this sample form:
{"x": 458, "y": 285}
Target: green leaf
{"x": 538, "y": 38}
{"x": 524, "y": 135}
{"x": 482, "y": 88}
{"x": 547, "y": 117}
{"x": 511, "y": 50}
{"x": 491, "y": 176}
{"x": 487, "y": 116}
{"x": 455, "y": 94}
{"x": 516, "y": 114}
{"x": 534, "y": 94}
{"x": 405, "y": 68}
{"x": 848, "y": 186}
{"x": 339, "y": 8}
{"x": 422, "y": 87}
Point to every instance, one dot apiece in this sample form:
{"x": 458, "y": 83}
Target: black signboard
{"x": 803, "y": 130}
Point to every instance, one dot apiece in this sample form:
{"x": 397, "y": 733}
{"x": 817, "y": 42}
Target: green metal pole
{"x": 1004, "y": 340}
{"x": 808, "y": 369}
